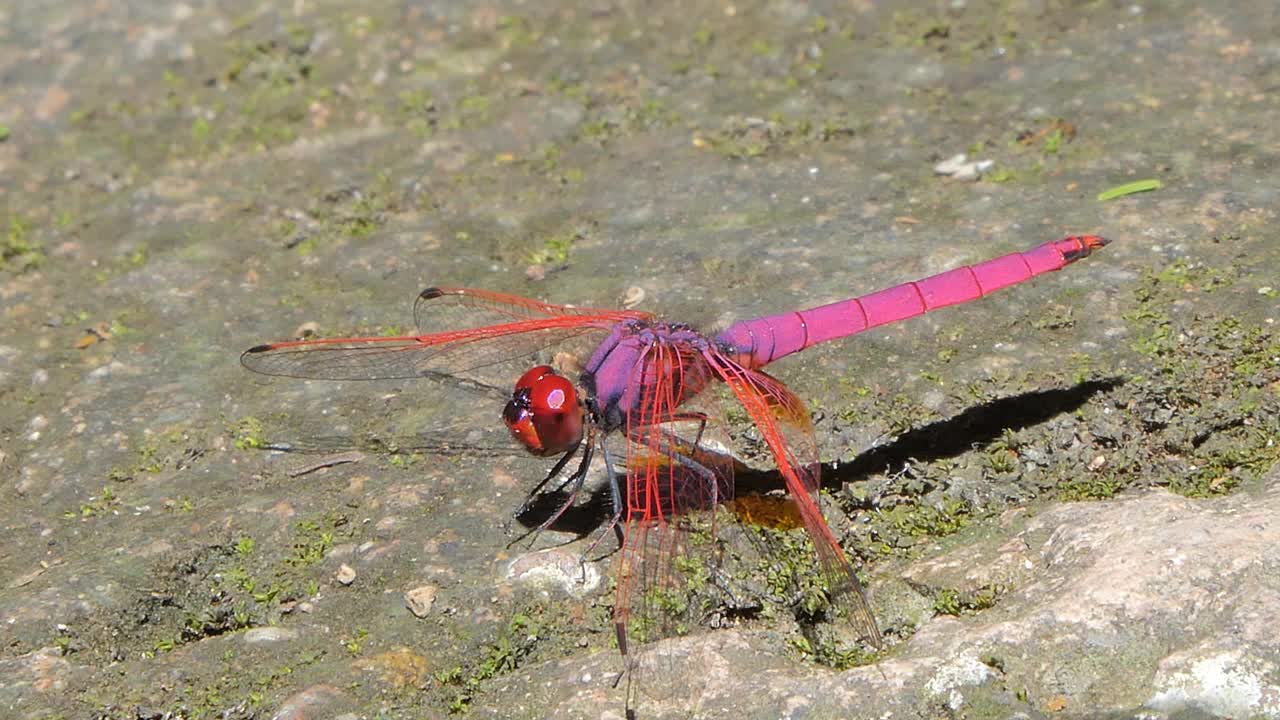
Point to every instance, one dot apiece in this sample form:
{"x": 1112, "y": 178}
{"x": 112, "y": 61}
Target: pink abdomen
{"x": 762, "y": 340}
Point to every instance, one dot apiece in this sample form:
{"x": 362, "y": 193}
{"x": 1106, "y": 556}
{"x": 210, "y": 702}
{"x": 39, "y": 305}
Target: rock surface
{"x": 1151, "y": 605}
{"x": 182, "y": 181}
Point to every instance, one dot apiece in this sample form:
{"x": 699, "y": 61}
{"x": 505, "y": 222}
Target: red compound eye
{"x": 544, "y": 413}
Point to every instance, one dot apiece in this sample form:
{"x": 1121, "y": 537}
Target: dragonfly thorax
{"x": 544, "y": 414}
{"x": 644, "y": 371}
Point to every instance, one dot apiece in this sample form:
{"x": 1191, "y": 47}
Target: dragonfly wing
{"x": 427, "y": 441}
{"x": 784, "y": 425}
{"x": 471, "y": 335}
{"x": 669, "y": 540}
{"x": 659, "y": 567}
{"x": 441, "y": 309}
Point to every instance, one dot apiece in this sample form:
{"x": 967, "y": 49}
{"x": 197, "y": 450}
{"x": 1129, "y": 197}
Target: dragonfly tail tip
{"x": 257, "y": 349}
{"x": 1084, "y": 245}
{"x": 430, "y": 293}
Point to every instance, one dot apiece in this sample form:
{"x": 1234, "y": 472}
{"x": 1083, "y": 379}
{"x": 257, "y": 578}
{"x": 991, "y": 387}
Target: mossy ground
{"x": 193, "y": 181}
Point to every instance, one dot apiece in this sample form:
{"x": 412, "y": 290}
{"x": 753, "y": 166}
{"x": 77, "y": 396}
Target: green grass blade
{"x": 1136, "y": 186}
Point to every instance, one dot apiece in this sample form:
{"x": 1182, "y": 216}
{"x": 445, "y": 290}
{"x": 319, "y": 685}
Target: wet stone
{"x": 8, "y": 357}
{"x": 106, "y": 372}
{"x": 1227, "y": 683}
{"x": 320, "y": 165}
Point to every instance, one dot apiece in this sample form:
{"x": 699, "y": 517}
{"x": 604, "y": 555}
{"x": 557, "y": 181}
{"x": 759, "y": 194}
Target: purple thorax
{"x": 623, "y": 372}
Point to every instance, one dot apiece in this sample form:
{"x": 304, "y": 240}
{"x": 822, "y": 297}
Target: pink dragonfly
{"x": 644, "y": 383}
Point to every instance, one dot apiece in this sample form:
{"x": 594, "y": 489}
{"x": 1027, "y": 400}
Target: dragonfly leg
{"x": 574, "y": 482}
{"x": 615, "y": 497}
{"x": 669, "y": 446}
{"x": 698, "y": 417}
{"x": 555, "y": 471}
{"x": 674, "y": 446}
{"x": 707, "y": 474}
{"x": 578, "y": 477}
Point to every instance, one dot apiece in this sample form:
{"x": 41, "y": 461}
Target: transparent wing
{"x": 495, "y": 443}
{"x": 672, "y": 484}
{"x": 444, "y": 309}
{"x": 472, "y": 335}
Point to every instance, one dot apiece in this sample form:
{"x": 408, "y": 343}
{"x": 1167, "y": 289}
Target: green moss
{"x": 104, "y": 503}
{"x": 354, "y": 644}
{"x": 1000, "y": 175}
{"x": 248, "y": 434}
{"x": 19, "y": 252}
{"x": 554, "y": 250}
{"x": 1099, "y": 486}
{"x": 949, "y": 601}
{"x": 514, "y": 644}
{"x": 835, "y": 655}
{"x": 1053, "y": 141}
{"x": 312, "y": 541}
{"x": 900, "y": 413}
{"x": 752, "y": 137}
{"x": 792, "y": 575}
{"x": 1207, "y": 408}
{"x": 517, "y": 32}
{"x": 918, "y": 521}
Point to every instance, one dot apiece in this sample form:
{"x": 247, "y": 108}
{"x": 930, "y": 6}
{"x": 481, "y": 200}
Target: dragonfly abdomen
{"x": 758, "y": 342}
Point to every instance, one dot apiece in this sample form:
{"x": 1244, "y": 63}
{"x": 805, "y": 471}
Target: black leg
{"x": 670, "y": 445}
{"x": 528, "y": 499}
{"x": 615, "y": 495}
{"x": 576, "y": 479}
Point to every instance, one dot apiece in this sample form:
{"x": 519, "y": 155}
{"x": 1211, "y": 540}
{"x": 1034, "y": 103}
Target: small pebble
{"x": 263, "y": 635}
{"x": 633, "y": 297}
{"x": 345, "y": 575}
{"x": 555, "y": 569}
{"x": 959, "y": 167}
{"x": 420, "y": 599}
{"x": 316, "y": 701}
{"x": 306, "y": 330}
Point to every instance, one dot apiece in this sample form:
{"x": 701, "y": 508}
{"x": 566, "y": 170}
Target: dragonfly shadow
{"x": 972, "y": 428}
{"x": 581, "y": 519}
{"x": 953, "y": 436}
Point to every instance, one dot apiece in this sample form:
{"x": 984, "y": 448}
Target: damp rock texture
{"x": 1060, "y": 496}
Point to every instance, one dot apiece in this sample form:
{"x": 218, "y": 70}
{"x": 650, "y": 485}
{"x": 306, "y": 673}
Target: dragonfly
{"x": 642, "y": 393}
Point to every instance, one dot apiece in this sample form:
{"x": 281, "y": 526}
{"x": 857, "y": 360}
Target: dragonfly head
{"x": 544, "y": 413}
